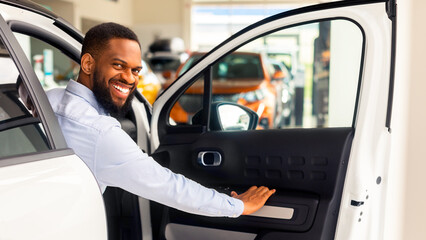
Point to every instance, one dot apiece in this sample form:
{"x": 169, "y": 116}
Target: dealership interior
{"x": 173, "y": 31}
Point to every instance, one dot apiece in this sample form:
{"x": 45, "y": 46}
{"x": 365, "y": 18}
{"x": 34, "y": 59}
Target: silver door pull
{"x": 209, "y": 158}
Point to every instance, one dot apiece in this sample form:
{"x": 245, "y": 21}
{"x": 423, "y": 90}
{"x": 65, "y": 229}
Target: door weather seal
{"x": 391, "y": 10}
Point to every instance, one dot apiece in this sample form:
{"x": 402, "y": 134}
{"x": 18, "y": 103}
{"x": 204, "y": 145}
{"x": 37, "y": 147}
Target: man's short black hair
{"x": 97, "y": 37}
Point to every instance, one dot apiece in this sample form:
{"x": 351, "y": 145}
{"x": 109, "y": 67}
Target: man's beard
{"x": 103, "y": 96}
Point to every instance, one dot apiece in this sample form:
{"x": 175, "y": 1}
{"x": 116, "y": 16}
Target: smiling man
{"x": 86, "y": 111}
{"x": 114, "y": 74}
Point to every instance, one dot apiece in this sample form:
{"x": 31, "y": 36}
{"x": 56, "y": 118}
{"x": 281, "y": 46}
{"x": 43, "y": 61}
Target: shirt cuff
{"x": 239, "y": 208}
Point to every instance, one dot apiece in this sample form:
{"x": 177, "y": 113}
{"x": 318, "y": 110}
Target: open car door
{"x": 328, "y": 163}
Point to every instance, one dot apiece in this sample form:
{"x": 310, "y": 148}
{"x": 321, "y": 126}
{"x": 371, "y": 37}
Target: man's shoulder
{"x": 76, "y": 110}
{"x": 84, "y": 114}
{"x": 54, "y": 93}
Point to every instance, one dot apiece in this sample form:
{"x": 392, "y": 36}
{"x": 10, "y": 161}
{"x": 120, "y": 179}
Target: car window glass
{"x": 52, "y": 67}
{"x": 20, "y": 128}
{"x": 188, "y": 104}
{"x": 305, "y": 76}
{"x": 311, "y": 76}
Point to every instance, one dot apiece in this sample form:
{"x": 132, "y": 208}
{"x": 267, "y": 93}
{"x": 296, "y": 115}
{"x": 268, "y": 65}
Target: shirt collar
{"x": 82, "y": 91}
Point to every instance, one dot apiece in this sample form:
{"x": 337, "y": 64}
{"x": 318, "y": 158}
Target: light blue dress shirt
{"x": 116, "y": 160}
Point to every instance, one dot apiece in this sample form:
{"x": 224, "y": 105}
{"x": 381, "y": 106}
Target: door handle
{"x": 209, "y": 158}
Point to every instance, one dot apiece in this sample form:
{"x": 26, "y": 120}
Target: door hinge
{"x": 391, "y": 9}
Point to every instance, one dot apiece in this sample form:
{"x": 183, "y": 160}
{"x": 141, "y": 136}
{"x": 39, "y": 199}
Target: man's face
{"x": 116, "y": 75}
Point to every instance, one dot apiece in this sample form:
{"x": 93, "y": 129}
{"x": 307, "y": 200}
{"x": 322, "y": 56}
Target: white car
{"x": 329, "y": 170}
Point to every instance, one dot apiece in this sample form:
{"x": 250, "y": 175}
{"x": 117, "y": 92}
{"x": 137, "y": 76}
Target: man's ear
{"x": 87, "y": 63}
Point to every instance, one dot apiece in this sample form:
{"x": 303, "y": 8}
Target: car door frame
{"x": 30, "y": 80}
{"x": 357, "y": 205}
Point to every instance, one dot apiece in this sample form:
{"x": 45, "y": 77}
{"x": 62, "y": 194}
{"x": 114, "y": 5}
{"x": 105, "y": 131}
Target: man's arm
{"x": 254, "y": 198}
{"x": 121, "y": 163}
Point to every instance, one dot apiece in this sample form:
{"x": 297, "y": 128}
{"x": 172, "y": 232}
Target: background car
{"x": 241, "y": 77}
{"x": 165, "y": 56}
{"x": 149, "y": 84}
{"x": 279, "y": 72}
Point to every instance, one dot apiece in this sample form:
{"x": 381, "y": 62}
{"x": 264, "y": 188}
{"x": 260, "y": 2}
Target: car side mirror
{"x": 226, "y": 116}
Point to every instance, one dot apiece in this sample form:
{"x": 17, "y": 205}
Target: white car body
{"x": 50, "y": 198}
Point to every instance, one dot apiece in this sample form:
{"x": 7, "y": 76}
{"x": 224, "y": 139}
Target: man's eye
{"x": 118, "y": 65}
{"x": 136, "y": 71}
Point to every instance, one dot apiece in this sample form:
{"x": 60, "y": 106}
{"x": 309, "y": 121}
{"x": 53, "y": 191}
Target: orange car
{"x": 240, "y": 77}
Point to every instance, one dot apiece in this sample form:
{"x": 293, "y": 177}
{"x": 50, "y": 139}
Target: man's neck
{"x": 85, "y": 80}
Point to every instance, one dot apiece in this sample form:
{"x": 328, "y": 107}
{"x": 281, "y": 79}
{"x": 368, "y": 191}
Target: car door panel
{"x": 299, "y": 169}
{"x": 37, "y": 192}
